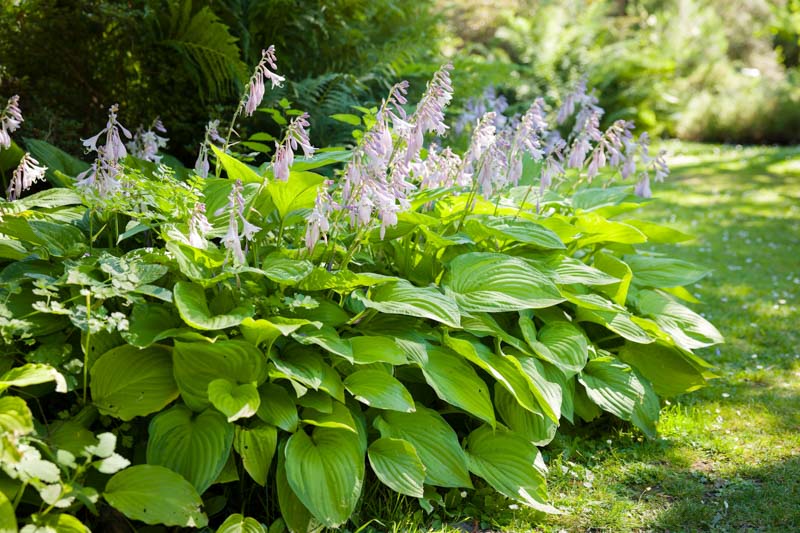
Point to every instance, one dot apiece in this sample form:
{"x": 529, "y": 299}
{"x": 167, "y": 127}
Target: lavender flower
{"x": 475, "y": 108}
{"x": 10, "y": 120}
{"x": 233, "y": 238}
{"x": 256, "y": 87}
{"x": 26, "y": 174}
{"x": 440, "y": 169}
{"x": 429, "y": 115}
{"x": 102, "y": 175}
{"x": 201, "y": 166}
{"x": 146, "y": 143}
{"x": 319, "y": 220}
{"x": 296, "y": 136}
{"x": 199, "y": 226}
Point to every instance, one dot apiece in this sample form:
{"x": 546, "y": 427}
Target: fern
{"x": 210, "y": 51}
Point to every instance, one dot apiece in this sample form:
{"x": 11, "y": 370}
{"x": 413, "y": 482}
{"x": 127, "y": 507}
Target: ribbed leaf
{"x": 32, "y": 374}
{"x": 454, "y": 379}
{"x": 397, "y": 465}
{"x": 379, "y": 389}
{"x": 508, "y": 463}
{"x": 663, "y": 271}
{"x": 613, "y": 386}
{"x": 368, "y": 349}
{"x": 671, "y": 370}
{"x": 127, "y": 382}
{"x": 277, "y": 407}
{"x": 298, "y": 519}
{"x": 197, "y": 364}
{"x": 234, "y": 401}
{"x": 567, "y": 344}
{"x": 155, "y": 495}
{"x": 195, "y": 446}
{"x": 435, "y": 442}
{"x": 190, "y": 299}
{"x": 256, "y": 446}
{"x": 326, "y": 472}
{"x": 310, "y": 370}
{"x": 8, "y": 521}
{"x": 402, "y": 298}
{"x": 516, "y": 230}
{"x": 688, "y": 329}
{"x": 497, "y": 282}
{"x": 535, "y": 427}
{"x": 237, "y": 523}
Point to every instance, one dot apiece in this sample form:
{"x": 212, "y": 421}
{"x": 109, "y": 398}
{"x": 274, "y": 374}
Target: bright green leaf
{"x": 397, "y": 465}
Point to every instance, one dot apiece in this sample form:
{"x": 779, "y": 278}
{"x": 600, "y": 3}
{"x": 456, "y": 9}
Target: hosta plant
{"x": 257, "y": 343}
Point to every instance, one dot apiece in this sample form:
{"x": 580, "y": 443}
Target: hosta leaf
{"x": 8, "y": 521}
{"x": 32, "y": 374}
{"x": 297, "y": 517}
{"x": 617, "y": 321}
{"x": 658, "y": 233}
{"x": 54, "y": 523}
{"x": 454, "y": 379}
{"x": 497, "y": 282}
{"x": 397, "y": 465}
{"x": 128, "y": 382}
{"x": 311, "y": 371}
{"x": 506, "y": 370}
{"x": 514, "y": 229}
{"x": 237, "y": 523}
{"x": 368, "y": 349}
{"x": 256, "y": 446}
{"x": 508, "y": 463}
{"x": 402, "y": 298}
{"x": 618, "y": 292}
{"x": 434, "y": 441}
{"x": 570, "y": 270}
{"x": 597, "y": 229}
{"x": 150, "y": 323}
{"x": 196, "y": 446}
{"x": 190, "y": 299}
{"x": 535, "y": 427}
{"x": 613, "y": 386}
{"x": 277, "y": 407}
{"x": 262, "y": 331}
{"x": 235, "y": 169}
{"x": 285, "y": 270}
{"x": 567, "y": 344}
{"x": 298, "y": 192}
{"x": 339, "y": 417}
{"x": 546, "y": 390}
{"x": 326, "y": 472}
{"x": 234, "y": 401}
{"x": 670, "y": 370}
{"x": 196, "y": 364}
{"x": 663, "y": 271}
{"x": 688, "y": 329}
{"x": 326, "y": 338}
{"x": 379, "y": 389}
{"x": 155, "y": 495}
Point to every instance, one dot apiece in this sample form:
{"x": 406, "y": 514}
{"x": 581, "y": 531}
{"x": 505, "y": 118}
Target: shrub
{"x": 263, "y": 341}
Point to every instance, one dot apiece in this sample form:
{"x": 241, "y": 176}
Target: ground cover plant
{"x": 242, "y": 345}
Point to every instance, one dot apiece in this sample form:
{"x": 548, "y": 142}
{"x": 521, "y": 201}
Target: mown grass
{"x": 728, "y": 456}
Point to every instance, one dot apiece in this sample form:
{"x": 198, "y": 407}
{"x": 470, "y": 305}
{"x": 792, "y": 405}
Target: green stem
{"x": 87, "y": 345}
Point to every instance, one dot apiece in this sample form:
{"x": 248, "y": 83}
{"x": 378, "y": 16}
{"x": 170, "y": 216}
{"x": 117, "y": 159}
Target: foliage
{"x": 434, "y": 316}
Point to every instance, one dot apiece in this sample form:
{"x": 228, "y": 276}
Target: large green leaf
{"x": 197, "y": 364}
{"x": 263, "y": 331}
{"x": 194, "y": 445}
{"x": 567, "y": 345}
{"x": 235, "y": 169}
{"x": 155, "y": 495}
{"x": 402, "y": 298}
{"x": 277, "y": 407}
{"x": 434, "y": 441}
{"x": 284, "y": 270}
{"x": 397, "y": 465}
{"x": 688, "y": 329}
{"x": 256, "y": 446}
{"x": 298, "y": 519}
{"x": 508, "y": 463}
{"x": 8, "y": 521}
{"x": 232, "y": 400}
{"x": 32, "y": 374}
{"x": 368, "y": 349}
{"x": 506, "y": 370}
{"x": 618, "y": 292}
{"x": 310, "y": 370}
{"x": 15, "y": 416}
{"x": 663, "y": 271}
{"x": 128, "y": 382}
{"x": 515, "y": 230}
{"x": 597, "y": 229}
{"x": 298, "y": 192}
{"x": 149, "y": 323}
{"x": 379, "y": 389}
{"x": 496, "y": 282}
{"x": 55, "y": 159}
{"x": 55, "y": 238}
{"x": 190, "y": 299}
{"x": 452, "y": 378}
{"x": 613, "y": 386}
{"x": 569, "y": 270}
{"x": 326, "y": 338}
{"x": 326, "y": 472}
{"x": 671, "y": 370}
{"x": 237, "y": 523}
{"x": 534, "y": 426}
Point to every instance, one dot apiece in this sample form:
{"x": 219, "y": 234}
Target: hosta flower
{"x": 201, "y": 166}
{"x": 429, "y": 115}
{"x": 146, "y": 143}
{"x": 10, "y": 120}
{"x": 296, "y": 136}
{"x": 102, "y": 175}
{"x": 199, "y": 226}
{"x": 232, "y": 240}
{"x": 475, "y": 108}
{"x": 26, "y": 174}
{"x": 439, "y": 169}
{"x": 256, "y": 87}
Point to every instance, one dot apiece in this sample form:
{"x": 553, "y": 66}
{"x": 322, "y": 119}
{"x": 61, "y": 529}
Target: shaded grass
{"x": 728, "y": 456}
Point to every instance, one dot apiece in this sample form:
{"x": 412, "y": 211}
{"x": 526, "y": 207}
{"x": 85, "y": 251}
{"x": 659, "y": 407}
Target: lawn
{"x": 728, "y": 456}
